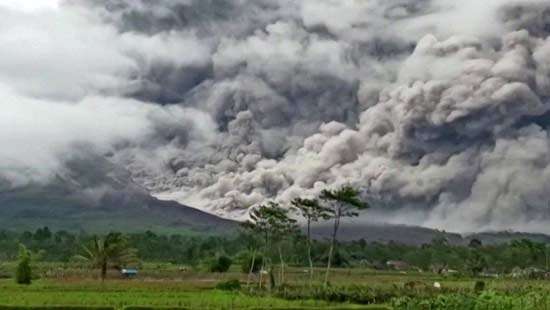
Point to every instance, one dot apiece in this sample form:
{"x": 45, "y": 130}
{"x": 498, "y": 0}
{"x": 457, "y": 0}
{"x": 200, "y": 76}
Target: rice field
{"x": 165, "y": 285}
{"x": 151, "y": 293}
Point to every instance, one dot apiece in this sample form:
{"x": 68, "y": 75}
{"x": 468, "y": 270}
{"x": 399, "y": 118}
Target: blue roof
{"x": 129, "y": 271}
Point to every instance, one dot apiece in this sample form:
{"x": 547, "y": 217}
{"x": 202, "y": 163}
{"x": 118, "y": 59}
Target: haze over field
{"x": 438, "y": 110}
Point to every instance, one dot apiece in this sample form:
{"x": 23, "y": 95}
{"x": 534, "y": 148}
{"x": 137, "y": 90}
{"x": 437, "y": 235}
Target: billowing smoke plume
{"x": 436, "y": 109}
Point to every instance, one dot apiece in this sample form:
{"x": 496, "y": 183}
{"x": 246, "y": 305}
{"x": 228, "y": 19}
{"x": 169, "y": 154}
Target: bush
{"x": 479, "y": 286}
{"x": 336, "y": 294}
{"x": 5, "y": 272}
{"x": 231, "y": 285}
{"x": 23, "y": 273}
{"x": 220, "y": 264}
{"x": 247, "y": 263}
{"x": 466, "y": 301}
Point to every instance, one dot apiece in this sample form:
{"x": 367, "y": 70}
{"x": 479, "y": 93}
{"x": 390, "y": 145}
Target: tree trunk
{"x": 282, "y": 273}
{"x": 309, "y": 252}
{"x": 332, "y": 244}
{"x": 251, "y": 270}
{"x": 264, "y": 261}
{"x": 103, "y": 271}
{"x": 261, "y": 277}
{"x": 272, "y": 283}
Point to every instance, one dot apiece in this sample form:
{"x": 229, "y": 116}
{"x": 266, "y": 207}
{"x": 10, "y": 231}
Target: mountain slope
{"x": 96, "y": 196}
{"x": 414, "y": 235}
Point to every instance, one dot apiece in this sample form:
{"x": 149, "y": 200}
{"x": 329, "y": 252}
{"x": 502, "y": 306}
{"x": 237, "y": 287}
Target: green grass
{"x": 162, "y": 285}
{"x": 54, "y": 308}
{"x": 120, "y": 294}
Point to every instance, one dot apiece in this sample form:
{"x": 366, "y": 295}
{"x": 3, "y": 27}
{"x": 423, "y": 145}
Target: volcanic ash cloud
{"x": 437, "y": 110}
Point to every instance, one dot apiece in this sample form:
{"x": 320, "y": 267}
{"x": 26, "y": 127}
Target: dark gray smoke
{"x": 436, "y": 109}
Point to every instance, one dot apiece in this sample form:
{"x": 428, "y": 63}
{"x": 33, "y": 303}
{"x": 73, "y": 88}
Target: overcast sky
{"x": 30, "y": 5}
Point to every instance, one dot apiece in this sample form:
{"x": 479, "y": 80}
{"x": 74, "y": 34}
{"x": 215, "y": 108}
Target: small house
{"x": 129, "y": 272}
{"x": 397, "y": 265}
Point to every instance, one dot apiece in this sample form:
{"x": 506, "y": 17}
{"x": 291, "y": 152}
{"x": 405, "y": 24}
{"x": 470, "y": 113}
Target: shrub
{"x": 5, "y": 272}
{"x": 231, "y": 285}
{"x": 23, "y": 273}
{"x": 479, "y": 286}
{"x": 247, "y": 263}
{"x": 338, "y": 294}
{"x": 466, "y": 301}
{"x": 220, "y": 264}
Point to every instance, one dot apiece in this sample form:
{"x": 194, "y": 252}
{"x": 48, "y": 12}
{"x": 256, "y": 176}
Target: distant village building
{"x": 530, "y": 273}
{"x": 397, "y": 265}
{"x": 129, "y": 272}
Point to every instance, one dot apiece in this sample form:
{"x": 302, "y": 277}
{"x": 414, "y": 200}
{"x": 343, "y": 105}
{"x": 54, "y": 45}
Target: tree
{"x": 282, "y": 227}
{"x": 42, "y": 234}
{"x": 476, "y": 263}
{"x": 312, "y": 211}
{"x": 111, "y": 251}
{"x": 23, "y": 273}
{"x": 251, "y": 263}
{"x": 272, "y": 222}
{"x": 344, "y": 202}
{"x": 475, "y": 243}
{"x": 220, "y": 264}
{"x": 249, "y": 234}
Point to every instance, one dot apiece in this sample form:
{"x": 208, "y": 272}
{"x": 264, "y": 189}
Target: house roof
{"x": 129, "y": 271}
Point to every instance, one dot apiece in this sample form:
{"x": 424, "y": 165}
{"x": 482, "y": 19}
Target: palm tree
{"x": 344, "y": 202}
{"x": 312, "y": 211}
{"x": 111, "y": 251}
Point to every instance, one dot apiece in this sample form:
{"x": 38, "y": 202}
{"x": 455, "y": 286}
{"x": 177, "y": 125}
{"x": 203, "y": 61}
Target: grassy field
{"x": 122, "y": 293}
{"x": 166, "y": 285}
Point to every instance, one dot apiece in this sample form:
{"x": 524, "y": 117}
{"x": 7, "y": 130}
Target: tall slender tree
{"x": 250, "y": 230}
{"x": 344, "y": 202}
{"x": 272, "y": 222}
{"x": 283, "y": 226}
{"x": 312, "y": 211}
{"x": 260, "y": 224}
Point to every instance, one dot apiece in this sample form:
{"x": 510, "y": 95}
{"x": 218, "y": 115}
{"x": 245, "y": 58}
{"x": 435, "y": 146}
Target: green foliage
{"x": 347, "y": 199}
{"x": 42, "y": 234}
{"x": 153, "y": 308}
{"x": 479, "y": 286}
{"x": 475, "y": 243}
{"x": 111, "y": 251}
{"x": 523, "y": 257}
{"x": 270, "y": 221}
{"x": 230, "y": 285}
{"x": 485, "y": 300}
{"x": 150, "y": 294}
{"x": 476, "y": 263}
{"x": 247, "y": 266}
{"x": 220, "y": 264}
{"x": 23, "y": 273}
{"x": 345, "y": 202}
{"x": 54, "y": 308}
{"x": 274, "y": 224}
{"x": 311, "y": 209}
{"x": 355, "y": 294}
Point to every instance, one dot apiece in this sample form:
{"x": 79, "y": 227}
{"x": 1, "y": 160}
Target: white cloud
{"x": 30, "y": 5}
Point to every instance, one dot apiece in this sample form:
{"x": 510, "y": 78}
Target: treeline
{"x": 63, "y": 246}
{"x": 271, "y": 240}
